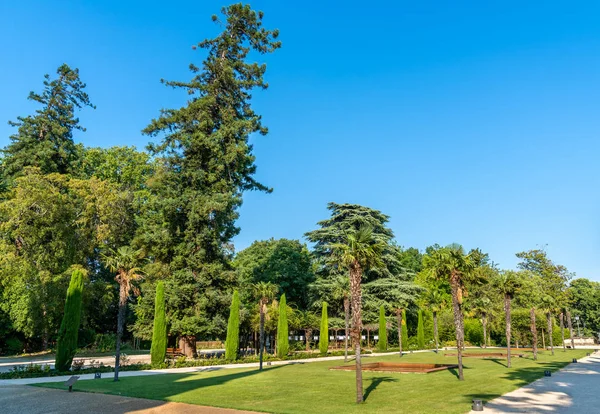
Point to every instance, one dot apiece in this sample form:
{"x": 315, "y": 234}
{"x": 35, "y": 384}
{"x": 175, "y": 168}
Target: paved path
{"x": 573, "y": 389}
{"x": 16, "y": 399}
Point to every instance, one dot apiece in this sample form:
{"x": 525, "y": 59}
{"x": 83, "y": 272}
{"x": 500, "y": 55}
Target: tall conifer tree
{"x": 233, "y": 328}
{"x": 404, "y": 331}
{"x": 283, "y": 345}
{"x": 69, "y": 328}
{"x": 324, "y": 332}
{"x": 382, "y": 344}
{"x": 420, "y": 331}
{"x": 158, "y": 349}
{"x": 45, "y": 139}
{"x": 206, "y": 163}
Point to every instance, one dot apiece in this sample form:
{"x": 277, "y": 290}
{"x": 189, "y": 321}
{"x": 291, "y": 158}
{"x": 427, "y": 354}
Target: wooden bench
{"x": 174, "y": 352}
{"x": 71, "y": 381}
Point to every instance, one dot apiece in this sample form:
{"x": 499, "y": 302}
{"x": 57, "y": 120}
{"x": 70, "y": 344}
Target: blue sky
{"x": 465, "y": 122}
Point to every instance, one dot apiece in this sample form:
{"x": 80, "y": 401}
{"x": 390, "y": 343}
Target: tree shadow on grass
{"x": 454, "y": 371}
{"x": 375, "y": 383}
{"x": 501, "y": 362}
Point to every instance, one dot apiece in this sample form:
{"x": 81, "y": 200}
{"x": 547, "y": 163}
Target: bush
{"x": 473, "y": 331}
{"x": 69, "y": 328}
{"x": 105, "y": 342}
{"x": 158, "y": 349}
{"x": 14, "y": 345}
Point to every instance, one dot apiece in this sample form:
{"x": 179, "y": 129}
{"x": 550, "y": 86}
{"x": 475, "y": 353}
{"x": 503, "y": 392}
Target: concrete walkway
{"x": 573, "y": 389}
{"x": 16, "y": 399}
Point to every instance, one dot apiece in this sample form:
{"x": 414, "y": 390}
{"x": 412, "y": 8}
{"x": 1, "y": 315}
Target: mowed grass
{"x": 312, "y": 387}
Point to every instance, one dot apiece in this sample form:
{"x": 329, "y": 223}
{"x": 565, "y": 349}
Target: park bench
{"x": 69, "y": 383}
{"x": 174, "y": 352}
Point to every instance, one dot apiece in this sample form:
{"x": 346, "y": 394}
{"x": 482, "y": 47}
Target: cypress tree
{"x": 324, "y": 332}
{"x": 404, "y": 331}
{"x": 67, "y": 336}
{"x": 382, "y": 344}
{"x": 420, "y": 331}
{"x": 283, "y": 345}
{"x": 158, "y": 349}
{"x": 233, "y": 328}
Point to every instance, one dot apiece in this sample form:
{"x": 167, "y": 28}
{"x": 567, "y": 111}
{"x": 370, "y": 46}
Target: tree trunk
{"x": 399, "y": 318}
{"x": 307, "y": 335}
{"x": 570, "y": 325}
{"x": 120, "y": 323}
{"x": 543, "y": 340}
{"x": 534, "y": 336}
{"x": 346, "y": 326}
{"x": 355, "y": 289}
{"x": 435, "y": 332}
{"x": 507, "y": 311}
{"x": 187, "y": 344}
{"x": 562, "y": 331}
{"x": 550, "y": 329}
{"x": 484, "y": 324}
{"x": 458, "y": 319}
{"x": 368, "y": 338}
{"x": 261, "y": 336}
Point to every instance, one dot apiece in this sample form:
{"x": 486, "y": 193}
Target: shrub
{"x": 382, "y": 344}
{"x": 420, "y": 331}
{"x": 324, "y": 331}
{"x": 67, "y": 335}
{"x": 473, "y": 331}
{"x": 105, "y": 342}
{"x": 283, "y": 345}
{"x": 158, "y": 349}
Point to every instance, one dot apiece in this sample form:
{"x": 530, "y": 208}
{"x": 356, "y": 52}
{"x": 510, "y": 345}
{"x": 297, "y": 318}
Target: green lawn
{"x": 312, "y": 387}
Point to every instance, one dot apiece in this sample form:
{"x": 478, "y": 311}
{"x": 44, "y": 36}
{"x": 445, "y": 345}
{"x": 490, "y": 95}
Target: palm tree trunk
{"x": 120, "y": 323}
{"x": 435, "y": 332}
{"x": 534, "y": 339}
{"x": 507, "y": 311}
{"x": 570, "y": 325}
{"x": 261, "y": 336}
{"x": 399, "y": 318}
{"x": 484, "y": 324}
{"x": 458, "y": 320}
{"x": 355, "y": 289}
{"x": 543, "y": 340}
{"x": 346, "y": 326}
{"x": 550, "y": 329}
{"x": 562, "y": 331}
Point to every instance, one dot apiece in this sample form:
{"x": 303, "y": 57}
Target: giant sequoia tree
{"x": 45, "y": 139}
{"x": 205, "y": 164}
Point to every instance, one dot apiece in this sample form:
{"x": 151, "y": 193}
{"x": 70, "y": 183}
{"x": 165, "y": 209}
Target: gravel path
{"x": 18, "y": 399}
{"x": 573, "y": 389}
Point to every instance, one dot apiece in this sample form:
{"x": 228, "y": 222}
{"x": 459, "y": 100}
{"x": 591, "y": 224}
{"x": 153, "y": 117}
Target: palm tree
{"x": 358, "y": 251}
{"x": 264, "y": 291}
{"x": 508, "y": 283}
{"x": 306, "y": 321}
{"x": 337, "y": 288}
{"x": 435, "y": 300}
{"x": 124, "y": 261}
{"x": 452, "y": 265}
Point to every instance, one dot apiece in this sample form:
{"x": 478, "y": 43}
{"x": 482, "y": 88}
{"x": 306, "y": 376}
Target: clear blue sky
{"x": 465, "y": 122}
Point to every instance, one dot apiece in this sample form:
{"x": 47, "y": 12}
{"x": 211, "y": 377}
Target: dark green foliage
{"x": 585, "y": 299}
{"x": 233, "y": 328}
{"x": 158, "y": 349}
{"x": 404, "y": 331}
{"x": 420, "y": 331}
{"x": 382, "y": 344}
{"x": 286, "y": 263}
{"x": 205, "y": 163}
{"x": 69, "y": 328}
{"x": 474, "y": 332}
{"x": 45, "y": 140}
{"x": 283, "y": 345}
{"x": 348, "y": 218}
{"x": 324, "y": 331}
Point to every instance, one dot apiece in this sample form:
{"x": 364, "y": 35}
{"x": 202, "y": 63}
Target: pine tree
{"x": 206, "y": 165}
{"x": 158, "y": 349}
{"x": 283, "y": 345}
{"x": 382, "y": 344}
{"x": 45, "y": 140}
{"x": 69, "y": 328}
{"x": 404, "y": 331}
{"x": 324, "y": 332}
{"x": 233, "y": 328}
{"x": 420, "y": 331}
